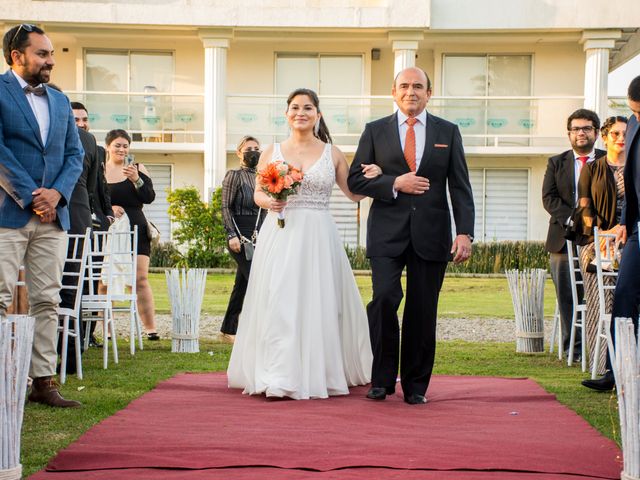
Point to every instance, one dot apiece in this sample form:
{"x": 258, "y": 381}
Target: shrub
{"x": 496, "y": 257}
{"x": 164, "y": 255}
{"x": 200, "y": 234}
{"x": 357, "y": 257}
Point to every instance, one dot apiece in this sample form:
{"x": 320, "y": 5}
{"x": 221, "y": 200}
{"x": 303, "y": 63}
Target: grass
{"x": 104, "y": 392}
{"x": 461, "y": 297}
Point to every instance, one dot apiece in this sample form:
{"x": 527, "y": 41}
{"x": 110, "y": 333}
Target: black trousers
{"x": 246, "y": 224}
{"x": 626, "y": 297}
{"x": 424, "y": 280}
{"x": 230, "y": 321}
{"x": 67, "y": 300}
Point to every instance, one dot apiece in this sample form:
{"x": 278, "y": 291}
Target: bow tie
{"x": 39, "y": 91}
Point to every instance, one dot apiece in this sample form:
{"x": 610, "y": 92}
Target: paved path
{"x": 469, "y": 329}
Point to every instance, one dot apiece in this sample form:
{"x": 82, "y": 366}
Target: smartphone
{"x": 128, "y": 160}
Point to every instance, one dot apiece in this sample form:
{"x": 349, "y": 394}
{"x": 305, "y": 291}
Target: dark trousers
{"x": 627, "y": 294}
{"x": 424, "y": 280}
{"x": 561, "y": 277}
{"x": 230, "y": 321}
{"x": 67, "y": 300}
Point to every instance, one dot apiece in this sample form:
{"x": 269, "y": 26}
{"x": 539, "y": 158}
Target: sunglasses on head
{"x": 27, "y": 27}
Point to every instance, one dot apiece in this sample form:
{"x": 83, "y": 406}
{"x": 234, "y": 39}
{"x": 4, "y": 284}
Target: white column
{"x": 597, "y": 46}
{"x": 216, "y": 44}
{"x": 404, "y": 45}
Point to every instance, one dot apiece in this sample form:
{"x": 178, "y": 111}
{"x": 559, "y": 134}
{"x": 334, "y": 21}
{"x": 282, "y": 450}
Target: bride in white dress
{"x": 303, "y": 332}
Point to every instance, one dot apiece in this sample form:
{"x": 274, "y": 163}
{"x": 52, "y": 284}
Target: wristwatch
{"x": 139, "y": 182}
{"x": 470, "y": 237}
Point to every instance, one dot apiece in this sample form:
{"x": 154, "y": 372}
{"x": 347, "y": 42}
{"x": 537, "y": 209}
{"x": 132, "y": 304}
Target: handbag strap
{"x": 254, "y": 235}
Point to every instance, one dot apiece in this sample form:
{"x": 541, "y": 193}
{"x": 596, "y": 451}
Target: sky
{"x": 620, "y": 78}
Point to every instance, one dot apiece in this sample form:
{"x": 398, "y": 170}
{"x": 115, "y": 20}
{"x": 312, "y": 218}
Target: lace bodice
{"x": 317, "y": 184}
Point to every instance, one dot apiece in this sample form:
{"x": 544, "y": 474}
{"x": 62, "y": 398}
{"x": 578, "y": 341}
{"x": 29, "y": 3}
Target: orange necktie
{"x": 410, "y": 144}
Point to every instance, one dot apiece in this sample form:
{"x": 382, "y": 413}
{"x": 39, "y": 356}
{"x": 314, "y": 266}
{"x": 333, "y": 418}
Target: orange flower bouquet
{"x": 279, "y": 180}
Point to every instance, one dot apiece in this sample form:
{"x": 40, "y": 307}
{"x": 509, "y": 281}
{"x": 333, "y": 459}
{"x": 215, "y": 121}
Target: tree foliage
{"x": 200, "y": 233}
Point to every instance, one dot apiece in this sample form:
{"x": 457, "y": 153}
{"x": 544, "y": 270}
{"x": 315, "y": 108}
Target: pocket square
{"x": 441, "y": 145}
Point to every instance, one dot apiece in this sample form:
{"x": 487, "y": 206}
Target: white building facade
{"x": 188, "y": 78}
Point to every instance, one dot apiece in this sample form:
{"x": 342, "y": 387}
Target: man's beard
{"x": 41, "y": 76}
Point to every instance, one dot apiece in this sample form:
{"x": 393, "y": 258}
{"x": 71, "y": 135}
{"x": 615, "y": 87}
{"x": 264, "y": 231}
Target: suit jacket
{"x": 630, "y": 213}
{"x": 25, "y": 163}
{"x": 80, "y": 207}
{"x": 424, "y": 220}
{"x": 559, "y": 196}
{"x": 99, "y": 193}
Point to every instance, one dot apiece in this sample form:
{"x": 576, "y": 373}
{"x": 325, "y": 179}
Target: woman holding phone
{"x": 131, "y": 187}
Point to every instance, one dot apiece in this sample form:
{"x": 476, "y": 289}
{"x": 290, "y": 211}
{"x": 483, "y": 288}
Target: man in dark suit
{"x": 40, "y": 162}
{"x": 559, "y": 197}
{"x": 99, "y": 197}
{"x": 409, "y": 226}
{"x": 80, "y": 220}
{"x": 97, "y": 185}
{"x": 627, "y": 294}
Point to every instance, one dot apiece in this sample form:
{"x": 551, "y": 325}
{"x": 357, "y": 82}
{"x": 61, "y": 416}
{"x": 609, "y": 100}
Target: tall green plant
{"x": 200, "y": 234}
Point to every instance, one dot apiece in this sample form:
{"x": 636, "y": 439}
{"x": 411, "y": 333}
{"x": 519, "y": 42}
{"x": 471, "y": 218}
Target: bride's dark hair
{"x": 322, "y": 132}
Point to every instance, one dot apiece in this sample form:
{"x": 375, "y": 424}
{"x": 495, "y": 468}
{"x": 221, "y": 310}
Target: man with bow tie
{"x": 559, "y": 197}
{"x": 40, "y": 162}
{"x": 421, "y": 156}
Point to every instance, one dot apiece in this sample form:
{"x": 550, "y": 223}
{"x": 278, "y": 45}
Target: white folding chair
{"x": 579, "y": 314}
{"x": 77, "y": 253}
{"x": 602, "y": 259}
{"x": 556, "y": 332}
{"x": 113, "y": 260}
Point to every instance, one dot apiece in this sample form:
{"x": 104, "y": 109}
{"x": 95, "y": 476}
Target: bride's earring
{"x": 316, "y": 128}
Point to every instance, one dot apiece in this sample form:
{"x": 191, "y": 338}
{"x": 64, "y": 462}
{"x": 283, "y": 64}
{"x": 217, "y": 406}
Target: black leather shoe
{"x": 93, "y": 342}
{"x": 603, "y": 384}
{"x": 415, "y": 399}
{"x": 380, "y": 393}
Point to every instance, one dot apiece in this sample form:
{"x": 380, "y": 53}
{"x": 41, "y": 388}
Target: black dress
{"x": 126, "y": 195}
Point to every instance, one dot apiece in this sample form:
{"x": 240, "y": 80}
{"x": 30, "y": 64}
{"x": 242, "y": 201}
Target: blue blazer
{"x": 25, "y": 163}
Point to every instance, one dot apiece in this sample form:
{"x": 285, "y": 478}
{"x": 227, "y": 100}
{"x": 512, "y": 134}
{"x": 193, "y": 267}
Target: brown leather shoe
{"x": 45, "y": 390}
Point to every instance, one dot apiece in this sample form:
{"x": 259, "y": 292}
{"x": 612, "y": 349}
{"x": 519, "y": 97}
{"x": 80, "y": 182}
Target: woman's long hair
{"x": 320, "y": 130}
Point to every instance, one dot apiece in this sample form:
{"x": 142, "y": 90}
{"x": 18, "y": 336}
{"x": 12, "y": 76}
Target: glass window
{"x": 487, "y": 122}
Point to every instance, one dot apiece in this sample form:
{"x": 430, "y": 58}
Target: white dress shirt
{"x": 578, "y": 167}
{"x": 419, "y": 128}
{"x": 40, "y": 107}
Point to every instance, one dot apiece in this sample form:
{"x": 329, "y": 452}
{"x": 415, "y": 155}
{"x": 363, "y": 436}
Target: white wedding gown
{"x": 303, "y": 332}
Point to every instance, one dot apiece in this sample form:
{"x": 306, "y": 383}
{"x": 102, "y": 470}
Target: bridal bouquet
{"x": 279, "y": 180}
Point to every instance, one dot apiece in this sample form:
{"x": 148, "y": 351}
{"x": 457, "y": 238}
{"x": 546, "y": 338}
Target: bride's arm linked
{"x": 262, "y": 199}
{"x": 342, "y": 172}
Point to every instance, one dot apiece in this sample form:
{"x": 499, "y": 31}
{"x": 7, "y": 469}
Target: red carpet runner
{"x": 193, "y": 427}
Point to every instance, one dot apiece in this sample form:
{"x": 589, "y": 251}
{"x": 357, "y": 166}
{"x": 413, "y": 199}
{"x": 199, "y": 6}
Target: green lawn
{"x": 460, "y": 297}
{"x": 104, "y": 392}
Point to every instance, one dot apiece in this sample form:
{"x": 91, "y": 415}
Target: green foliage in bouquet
{"x": 200, "y": 233}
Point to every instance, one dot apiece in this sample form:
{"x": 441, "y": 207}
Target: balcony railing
{"x": 484, "y": 121}
{"x": 147, "y": 116}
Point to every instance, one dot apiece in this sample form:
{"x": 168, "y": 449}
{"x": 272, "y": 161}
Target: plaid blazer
{"x": 27, "y": 164}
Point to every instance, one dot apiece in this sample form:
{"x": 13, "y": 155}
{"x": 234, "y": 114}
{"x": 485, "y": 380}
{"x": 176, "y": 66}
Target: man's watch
{"x": 470, "y": 237}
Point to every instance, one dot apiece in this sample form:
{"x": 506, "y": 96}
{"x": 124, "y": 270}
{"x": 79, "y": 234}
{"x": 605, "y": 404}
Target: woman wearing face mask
{"x": 240, "y": 216}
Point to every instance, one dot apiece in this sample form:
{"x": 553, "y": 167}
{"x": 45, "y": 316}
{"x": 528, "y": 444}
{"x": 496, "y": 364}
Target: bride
{"x": 303, "y": 331}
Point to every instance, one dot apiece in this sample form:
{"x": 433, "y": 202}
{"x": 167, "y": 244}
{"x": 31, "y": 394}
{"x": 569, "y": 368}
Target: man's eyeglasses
{"x": 27, "y": 27}
{"x": 587, "y": 129}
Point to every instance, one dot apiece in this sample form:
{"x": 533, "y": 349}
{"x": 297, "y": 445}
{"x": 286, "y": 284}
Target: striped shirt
{"x": 237, "y": 197}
